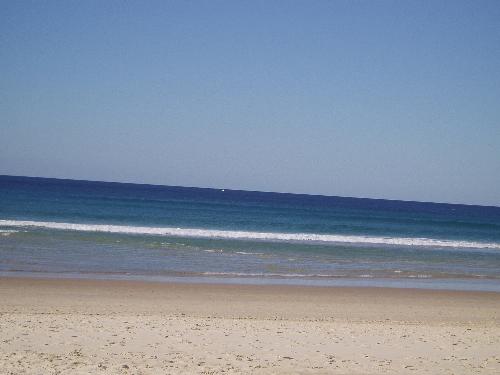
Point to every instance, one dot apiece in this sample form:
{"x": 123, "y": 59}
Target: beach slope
{"x": 54, "y": 326}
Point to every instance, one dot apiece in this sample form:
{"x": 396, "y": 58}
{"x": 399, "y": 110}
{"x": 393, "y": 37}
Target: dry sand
{"x": 120, "y": 327}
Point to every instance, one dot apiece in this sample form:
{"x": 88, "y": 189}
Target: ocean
{"x": 67, "y": 228}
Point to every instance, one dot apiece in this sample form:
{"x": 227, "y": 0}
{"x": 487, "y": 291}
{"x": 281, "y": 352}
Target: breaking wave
{"x": 247, "y": 235}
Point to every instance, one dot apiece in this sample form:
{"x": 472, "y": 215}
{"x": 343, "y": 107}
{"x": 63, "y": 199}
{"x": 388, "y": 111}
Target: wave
{"x": 311, "y": 276}
{"x": 284, "y": 275}
{"x": 7, "y": 232}
{"x": 247, "y": 235}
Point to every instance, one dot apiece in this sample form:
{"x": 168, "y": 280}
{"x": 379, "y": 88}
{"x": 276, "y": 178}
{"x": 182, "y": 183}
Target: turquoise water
{"x": 94, "y": 229}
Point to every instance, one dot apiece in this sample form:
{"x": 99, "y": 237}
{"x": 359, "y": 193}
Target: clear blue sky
{"x": 385, "y": 99}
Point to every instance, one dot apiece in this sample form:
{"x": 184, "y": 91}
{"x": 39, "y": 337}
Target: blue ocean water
{"x": 72, "y": 228}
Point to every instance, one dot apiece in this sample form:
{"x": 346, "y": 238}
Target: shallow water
{"x": 80, "y": 228}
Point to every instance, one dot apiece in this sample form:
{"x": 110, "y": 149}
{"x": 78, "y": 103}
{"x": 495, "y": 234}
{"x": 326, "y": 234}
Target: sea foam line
{"x": 245, "y": 235}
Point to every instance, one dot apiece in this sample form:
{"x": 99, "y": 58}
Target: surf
{"x": 249, "y": 235}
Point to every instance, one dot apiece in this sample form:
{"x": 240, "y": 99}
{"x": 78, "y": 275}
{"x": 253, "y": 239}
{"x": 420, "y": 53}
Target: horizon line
{"x": 253, "y": 191}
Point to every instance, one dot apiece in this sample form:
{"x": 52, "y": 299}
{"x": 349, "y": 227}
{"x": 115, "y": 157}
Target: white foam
{"x": 7, "y": 232}
{"x": 243, "y": 235}
{"x": 420, "y": 276}
{"x": 285, "y": 275}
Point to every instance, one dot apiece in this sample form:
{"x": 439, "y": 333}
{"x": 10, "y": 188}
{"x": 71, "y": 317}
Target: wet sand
{"x": 54, "y": 326}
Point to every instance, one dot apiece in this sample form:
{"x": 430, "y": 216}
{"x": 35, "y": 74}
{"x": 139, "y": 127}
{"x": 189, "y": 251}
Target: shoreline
{"x": 116, "y": 326}
{"x": 409, "y": 283}
{"x": 329, "y": 302}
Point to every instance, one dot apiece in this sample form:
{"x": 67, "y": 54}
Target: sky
{"x": 379, "y": 99}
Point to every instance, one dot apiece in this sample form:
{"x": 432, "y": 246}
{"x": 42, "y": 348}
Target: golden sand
{"x": 123, "y": 327}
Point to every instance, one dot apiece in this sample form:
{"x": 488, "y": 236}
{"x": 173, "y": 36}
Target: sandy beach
{"x": 50, "y": 326}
